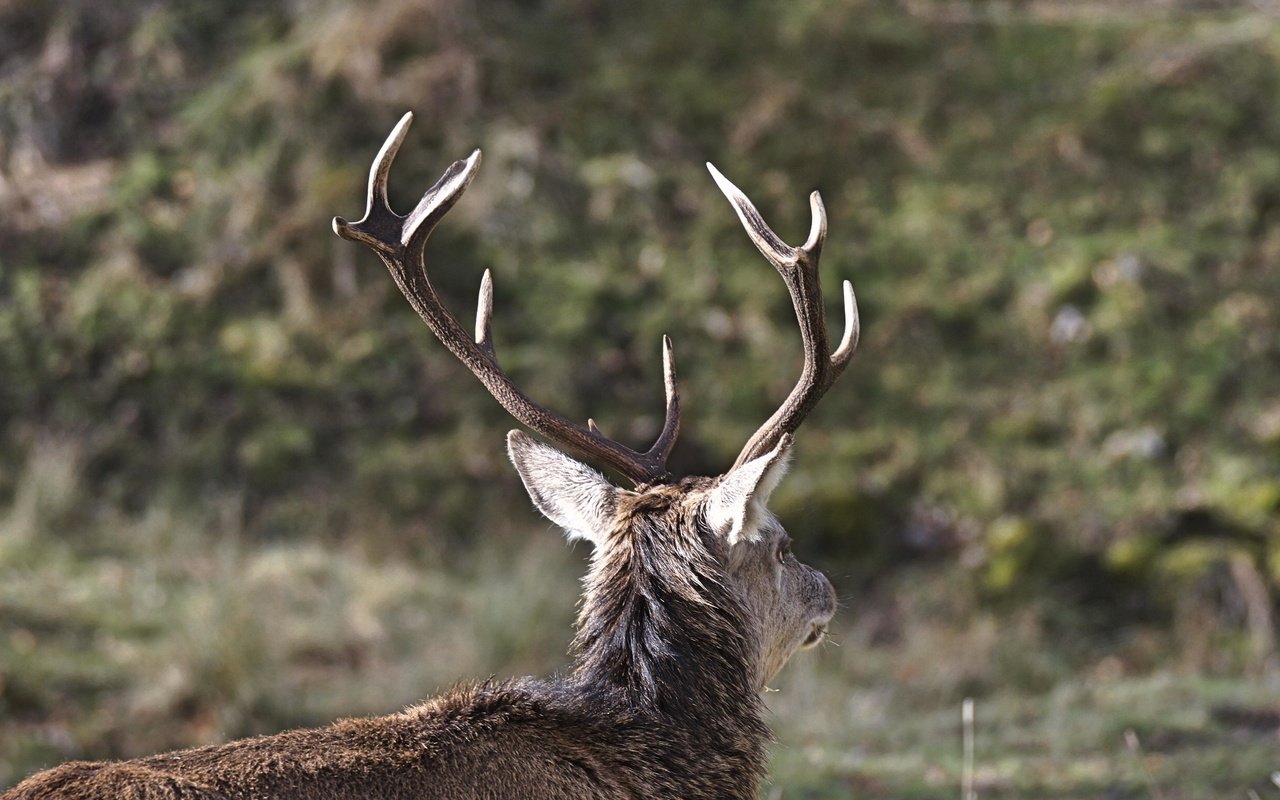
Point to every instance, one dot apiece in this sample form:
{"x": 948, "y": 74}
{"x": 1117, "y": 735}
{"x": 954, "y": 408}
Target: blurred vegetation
{"x": 241, "y": 487}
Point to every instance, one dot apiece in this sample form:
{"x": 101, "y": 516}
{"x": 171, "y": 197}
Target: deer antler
{"x": 400, "y": 242}
{"x": 799, "y": 269}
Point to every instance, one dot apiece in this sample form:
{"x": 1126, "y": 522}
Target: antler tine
{"x": 671, "y": 425}
{"x": 400, "y": 241}
{"x": 666, "y": 440}
{"x": 799, "y": 269}
{"x": 484, "y": 315}
{"x": 852, "y": 330}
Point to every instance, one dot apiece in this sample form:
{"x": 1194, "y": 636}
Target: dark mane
{"x": 661, "y": 636}
{"x": 659, "y": 622}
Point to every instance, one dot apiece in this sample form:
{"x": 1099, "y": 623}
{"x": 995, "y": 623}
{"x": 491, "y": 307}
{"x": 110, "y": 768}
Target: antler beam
{"x": 400, "y": 241}
{"x": 799, "y": 269}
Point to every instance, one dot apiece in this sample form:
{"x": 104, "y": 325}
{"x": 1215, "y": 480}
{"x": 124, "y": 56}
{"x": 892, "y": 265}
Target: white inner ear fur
{"x": 567, "y": 492}
{"x": 735, "y": 506}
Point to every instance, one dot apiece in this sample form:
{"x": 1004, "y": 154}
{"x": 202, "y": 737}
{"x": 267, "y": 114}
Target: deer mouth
{"x": 816, "y": 633}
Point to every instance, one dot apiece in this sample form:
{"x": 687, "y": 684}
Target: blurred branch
{"x": 1257, "y": 602}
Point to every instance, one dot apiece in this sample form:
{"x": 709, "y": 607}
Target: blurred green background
{"x": 242, "y": 488}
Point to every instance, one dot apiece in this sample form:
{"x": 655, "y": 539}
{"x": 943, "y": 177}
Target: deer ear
{"x": 567, "y": 492}
{"x": 734, "y": 506}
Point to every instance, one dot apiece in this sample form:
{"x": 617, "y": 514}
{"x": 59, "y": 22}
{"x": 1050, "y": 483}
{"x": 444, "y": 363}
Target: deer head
{"x": 692, "y": 580}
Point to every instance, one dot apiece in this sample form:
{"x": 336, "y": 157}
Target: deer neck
{"x": 660, "y": 625}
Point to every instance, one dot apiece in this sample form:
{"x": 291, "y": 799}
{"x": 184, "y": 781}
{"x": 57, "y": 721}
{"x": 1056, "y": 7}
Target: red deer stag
{"x": 692, "y": 604}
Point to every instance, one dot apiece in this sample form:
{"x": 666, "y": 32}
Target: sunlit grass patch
{"x": 1088, "y": 736}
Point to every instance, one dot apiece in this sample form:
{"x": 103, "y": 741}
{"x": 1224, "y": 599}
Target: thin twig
{"x": 1135, "y": 747}
{"x": 966, "y": 776}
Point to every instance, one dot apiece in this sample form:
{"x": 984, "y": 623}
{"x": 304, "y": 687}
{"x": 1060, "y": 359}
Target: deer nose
{"x": 825, "y": 607}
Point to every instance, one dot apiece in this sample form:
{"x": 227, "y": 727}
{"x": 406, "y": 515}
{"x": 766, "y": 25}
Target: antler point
{"x": 668, "y": 363}
{"x": 818, "y": 227}
{"x": 852, "y": 329}
{"x": 484, "y": 314}
{"x": 727, "y": 186}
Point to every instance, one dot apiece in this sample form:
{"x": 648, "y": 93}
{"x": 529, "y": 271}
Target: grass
{"x": 1195, "y": 737}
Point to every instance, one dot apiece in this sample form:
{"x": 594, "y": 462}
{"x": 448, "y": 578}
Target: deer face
{"x": 790, "y": 603}
{"x": 683, "y": 530}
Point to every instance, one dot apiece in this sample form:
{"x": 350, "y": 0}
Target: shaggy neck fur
{"x": 659, "y": 623}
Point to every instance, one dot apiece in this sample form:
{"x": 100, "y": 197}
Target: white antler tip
{"x": 377, "y": 196}
{"x": 818, "y": 227}
{"x": 852, "y": 327}
{"x": 397, "y": 136}
{"x": 668, "y": 365}
{"x": 484, "y": 313}
{"x": 726, "y": 185}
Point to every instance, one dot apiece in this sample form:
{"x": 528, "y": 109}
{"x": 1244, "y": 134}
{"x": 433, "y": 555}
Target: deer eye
{"x": 784, "y": 551}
